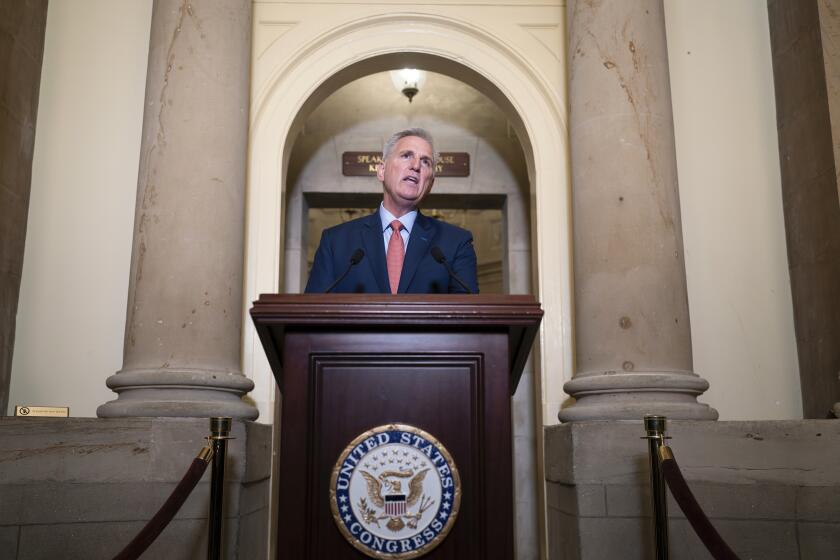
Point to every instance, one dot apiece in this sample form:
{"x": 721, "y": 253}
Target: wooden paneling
{"x": 445, "y": 365}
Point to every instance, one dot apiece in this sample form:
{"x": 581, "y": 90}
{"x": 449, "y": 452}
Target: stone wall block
{"x": 254, "y": 497}
{"x": 818, "y": 540}
{"x": 9, "y": 540}
{"x": 768, "y": 540}
{"x": 82, "y": 488}
{"x": 252, "y": 539}
{"x": 586, "y": 500}
{"x": 746, "y": 452}
{"x": 719, "y": 501}
{"x": 73, "y": 450}
{"x": 558, "y": 443}
{"x": 182, "y": 539}
{"x": 630, "y": 538}
{"x": 563, "y": 539}
{"x": 818, "y": 503}
{"x": 176, "y": 448}
{"x": 771, "y": 540}
{"x": 257, "y": 448}
{"x": 771, "y": 488}
{"x": 748, "y": 502}
{"x": 87, "y": 450}
{"x": 54, "y": 503}
{"x": 628, "y": 500}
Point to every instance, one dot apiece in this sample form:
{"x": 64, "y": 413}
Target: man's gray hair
{"x": 419, "y": 132}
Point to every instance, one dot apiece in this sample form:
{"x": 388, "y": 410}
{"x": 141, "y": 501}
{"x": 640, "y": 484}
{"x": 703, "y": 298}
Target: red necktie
{"x": 396, "y": 255}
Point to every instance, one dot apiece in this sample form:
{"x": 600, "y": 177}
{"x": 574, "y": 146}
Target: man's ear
{"x": 380, "y": 171}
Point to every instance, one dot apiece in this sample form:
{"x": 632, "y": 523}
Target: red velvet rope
{"x": 167, "y": 511}
{"x": 695, "y": 515}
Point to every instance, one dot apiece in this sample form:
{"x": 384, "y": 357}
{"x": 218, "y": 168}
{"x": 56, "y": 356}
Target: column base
{"x": 178, "y": 393}
{"x": 629, "y": 396}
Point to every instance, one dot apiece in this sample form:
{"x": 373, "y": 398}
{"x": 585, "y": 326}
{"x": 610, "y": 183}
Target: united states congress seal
{"x": 395, "y": 492}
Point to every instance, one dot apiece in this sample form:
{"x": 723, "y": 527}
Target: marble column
{"x": 632, "y": 334}
{"x": 182, "y": 337}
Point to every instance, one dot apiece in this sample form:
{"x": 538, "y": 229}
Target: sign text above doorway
{"x": 363, "y": 164}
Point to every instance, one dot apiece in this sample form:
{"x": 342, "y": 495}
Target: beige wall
{"x": 730, "y": 192}
{"x": 72, "y": 308}
{"x": 71, "y": 313}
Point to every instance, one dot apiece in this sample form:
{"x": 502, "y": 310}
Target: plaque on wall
{"x": 363, "y": 164}
{"x": 53, "y": 411}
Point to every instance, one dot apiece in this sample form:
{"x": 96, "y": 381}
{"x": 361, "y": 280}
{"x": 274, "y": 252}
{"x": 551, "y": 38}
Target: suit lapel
{"x": 418, "y": 246}
{"x": 375, "y": 251}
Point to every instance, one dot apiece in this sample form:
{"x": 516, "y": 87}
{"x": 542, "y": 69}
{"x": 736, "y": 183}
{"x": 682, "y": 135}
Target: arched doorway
{"x": 288, "y": 87}
{"x": 489, "y": 196}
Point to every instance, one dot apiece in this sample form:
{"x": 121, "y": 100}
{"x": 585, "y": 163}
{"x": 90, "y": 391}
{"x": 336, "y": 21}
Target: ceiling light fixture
{"x": 408, "y": 81}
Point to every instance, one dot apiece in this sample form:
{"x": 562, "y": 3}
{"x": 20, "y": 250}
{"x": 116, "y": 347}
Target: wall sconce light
{"x": 408, "y": 81}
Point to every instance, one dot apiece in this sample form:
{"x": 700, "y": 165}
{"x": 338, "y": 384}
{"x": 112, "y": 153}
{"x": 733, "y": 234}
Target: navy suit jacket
{"x": 421, "y": 273}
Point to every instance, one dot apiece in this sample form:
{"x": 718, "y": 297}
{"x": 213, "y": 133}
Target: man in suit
{"x": 401, "y": 247}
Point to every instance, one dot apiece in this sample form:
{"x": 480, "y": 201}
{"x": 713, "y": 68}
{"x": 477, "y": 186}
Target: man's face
{"x": 407, "y": 174}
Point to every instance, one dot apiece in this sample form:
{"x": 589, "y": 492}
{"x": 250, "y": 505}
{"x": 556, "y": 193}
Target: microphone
{"x": 355, "y": 259}
{"x": 438, "y": 256}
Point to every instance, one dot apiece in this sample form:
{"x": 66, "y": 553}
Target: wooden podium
{"x": 446, "y": 364}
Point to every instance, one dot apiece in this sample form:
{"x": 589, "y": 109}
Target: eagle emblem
{"x": 395, "y": 492}
{"x": 394, "y": 502}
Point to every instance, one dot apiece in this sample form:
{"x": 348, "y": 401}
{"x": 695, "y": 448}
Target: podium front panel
{"x": 340, "y": 384}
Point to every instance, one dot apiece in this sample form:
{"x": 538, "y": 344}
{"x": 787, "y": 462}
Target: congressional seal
{"x": 395, "y": 492}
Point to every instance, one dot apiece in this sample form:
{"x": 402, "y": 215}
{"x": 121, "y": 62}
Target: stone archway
{"x": 295, "y": 85}
{"x": 491, "y": 200}
{"x": 527, "y": 86}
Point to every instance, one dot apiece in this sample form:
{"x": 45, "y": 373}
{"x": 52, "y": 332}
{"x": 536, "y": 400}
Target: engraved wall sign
{"x": 395, "y": 492}
{"x": 363, "y": 164}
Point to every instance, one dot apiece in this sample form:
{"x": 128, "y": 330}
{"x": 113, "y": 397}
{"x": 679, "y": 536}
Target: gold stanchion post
{"x": 655, "y": 430}
{"x": 219, "y": 434}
